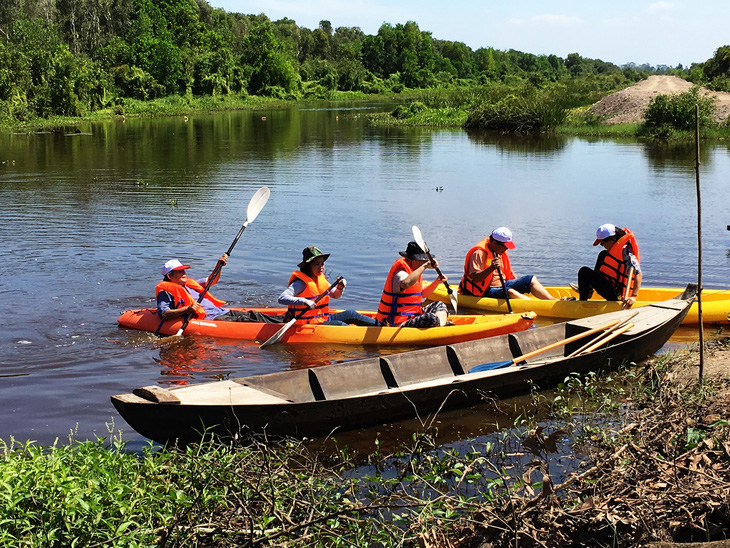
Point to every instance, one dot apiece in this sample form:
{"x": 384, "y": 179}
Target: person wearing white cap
{"x": 481, "y": 271}
{"x": 177, "y": 295}
{"x": 612, "y": 273}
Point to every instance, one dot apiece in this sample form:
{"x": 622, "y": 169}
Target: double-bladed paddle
{"x": 276, "y": 337}
{"x": 255, "y": 205}
{"x": 422, "y": 244}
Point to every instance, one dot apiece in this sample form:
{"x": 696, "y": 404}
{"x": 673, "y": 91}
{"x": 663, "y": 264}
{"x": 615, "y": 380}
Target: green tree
{"x": 267, "y": 63}
{"x": 719, "y": 64}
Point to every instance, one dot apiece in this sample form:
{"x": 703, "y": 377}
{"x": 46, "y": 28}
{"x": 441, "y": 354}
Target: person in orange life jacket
{"x": 403, "y": 292}
{"x": 177, "y": 295}
{"x": 308, "y": 283}
{"x": 608, "y": 278}
{"x": 481, "y": 278}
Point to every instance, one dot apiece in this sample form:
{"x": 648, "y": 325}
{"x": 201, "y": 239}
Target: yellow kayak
{"x": 715, "y": 304}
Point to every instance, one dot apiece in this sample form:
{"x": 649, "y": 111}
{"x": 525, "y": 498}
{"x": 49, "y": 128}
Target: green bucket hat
{"x": 310, "y": 253}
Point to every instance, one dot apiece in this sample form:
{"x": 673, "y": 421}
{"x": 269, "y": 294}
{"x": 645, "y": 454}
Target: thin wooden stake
{"x": 699, "y": 240}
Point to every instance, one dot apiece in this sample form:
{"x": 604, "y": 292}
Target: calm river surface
{"x": 89, "y": 218}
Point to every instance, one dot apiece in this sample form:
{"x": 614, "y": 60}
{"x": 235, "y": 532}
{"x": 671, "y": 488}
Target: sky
{"x": 617, "y": 31}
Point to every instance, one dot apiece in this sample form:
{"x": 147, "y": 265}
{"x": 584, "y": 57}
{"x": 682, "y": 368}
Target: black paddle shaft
{"x": 438, "y": 273}
{"x": 327, "y": 291}
{"x": 504, "y": 288}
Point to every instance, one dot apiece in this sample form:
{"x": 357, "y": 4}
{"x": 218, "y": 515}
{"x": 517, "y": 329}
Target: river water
{"x": 90, "y": 216}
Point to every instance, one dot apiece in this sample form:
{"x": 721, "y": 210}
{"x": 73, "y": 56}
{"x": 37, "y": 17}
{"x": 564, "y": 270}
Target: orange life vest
{"x": 315, "y": 287}
{"x": 613, "y": 265}
{"x": 400, "y": 307}
{"x": 468, "y": 286}
{"x": 181, "y": 297}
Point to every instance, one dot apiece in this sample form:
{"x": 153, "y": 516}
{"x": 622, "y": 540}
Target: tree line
{"x": 72, "y": 57}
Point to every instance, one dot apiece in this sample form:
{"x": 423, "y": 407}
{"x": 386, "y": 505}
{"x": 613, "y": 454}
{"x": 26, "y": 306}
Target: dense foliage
{"x": 74, "y": 57}
{"x": 667, "y": 114}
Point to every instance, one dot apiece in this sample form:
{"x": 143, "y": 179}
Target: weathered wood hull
{"x": 381, "y": 390}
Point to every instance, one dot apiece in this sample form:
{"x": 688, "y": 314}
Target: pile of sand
{"x": 628, "y": 105}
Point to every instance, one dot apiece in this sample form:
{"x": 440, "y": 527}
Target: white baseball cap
{"x": 173, "y": 264}
{"x": 504, "y": 235}
{"x": 603, "y": 232}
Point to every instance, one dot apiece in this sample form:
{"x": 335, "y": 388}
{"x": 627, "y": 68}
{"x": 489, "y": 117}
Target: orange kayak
{"x": 465, "y": 328}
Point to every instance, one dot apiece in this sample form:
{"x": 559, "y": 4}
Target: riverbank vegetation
{"x": 625, "y": 460}
{"x": 87, "y": 58}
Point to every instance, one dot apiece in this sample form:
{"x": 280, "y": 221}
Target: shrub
{"x": 667, "y": 114}
{"x": 518, "y": 115}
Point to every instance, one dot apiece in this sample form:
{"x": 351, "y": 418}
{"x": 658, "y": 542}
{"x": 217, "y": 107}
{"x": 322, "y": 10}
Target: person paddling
{"x": 403, "y": 292}
{"x": 485, "y": 259}
{"x": 308, "y": 283}
{"x": 617, "y": 273}
{"x": 177, "y": 296}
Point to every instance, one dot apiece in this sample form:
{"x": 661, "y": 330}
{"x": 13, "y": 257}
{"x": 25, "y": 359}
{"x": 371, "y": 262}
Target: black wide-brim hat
{"x": 414, "y": 252}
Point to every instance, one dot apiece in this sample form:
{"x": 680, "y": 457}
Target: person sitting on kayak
{"x": 610, "y": 275}
{"x": 308, "y": 283}
{"x": 177, "y": 295}
{"x": 481, "y": 276}
{"x": 403, "y": 292}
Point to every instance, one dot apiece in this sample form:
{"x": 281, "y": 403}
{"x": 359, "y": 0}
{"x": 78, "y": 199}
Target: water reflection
{"x": 672, "y": 157}
{"x": 528, "y": 144}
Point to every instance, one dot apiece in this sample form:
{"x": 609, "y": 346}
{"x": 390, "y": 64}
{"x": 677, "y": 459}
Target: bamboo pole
{"x": 699, "y": 240}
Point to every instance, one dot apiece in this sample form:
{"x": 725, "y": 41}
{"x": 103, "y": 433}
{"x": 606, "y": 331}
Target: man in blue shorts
{"x": 481, "y": 277}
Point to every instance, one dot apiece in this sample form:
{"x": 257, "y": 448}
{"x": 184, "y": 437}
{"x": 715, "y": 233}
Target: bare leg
{"x": 539, "y": 291}
{"x": 443, "y": 317}
{"x": 514, "y": 294}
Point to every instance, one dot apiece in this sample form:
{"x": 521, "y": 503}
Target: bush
{"x": 667, "y": 114}
{"x": 518, "y": 115}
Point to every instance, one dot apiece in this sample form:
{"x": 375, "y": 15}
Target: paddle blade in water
{"x": 276, "y": 337}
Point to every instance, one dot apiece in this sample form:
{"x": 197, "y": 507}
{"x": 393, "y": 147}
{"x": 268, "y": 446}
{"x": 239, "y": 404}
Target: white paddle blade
{"x": 454, "y": 302}
{"x": 419, "y": 238}
{"x": 276, "y": 337}
{"x": 257, "y": 203}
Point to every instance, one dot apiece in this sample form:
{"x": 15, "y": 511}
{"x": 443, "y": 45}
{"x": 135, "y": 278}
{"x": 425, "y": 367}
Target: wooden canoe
{"x": 715, "y": 304}
{"x": 312, "y": 402}
{"x": 465, "y": 328}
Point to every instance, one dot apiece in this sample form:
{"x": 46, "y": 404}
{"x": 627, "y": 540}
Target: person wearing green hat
{"x": 309, "y": 283}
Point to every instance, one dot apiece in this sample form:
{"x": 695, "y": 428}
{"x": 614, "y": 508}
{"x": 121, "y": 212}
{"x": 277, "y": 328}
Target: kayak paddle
{"x": 628, "y": 285}
{"x": 422, "y": 244}
{"x": 523, "y": 357}
{"x": 255, "y": 205}
{"x": 506, "y": 295}
{"x": 276, "y": 337}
